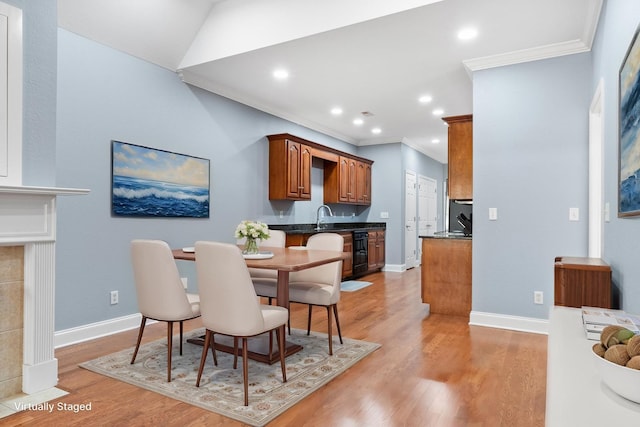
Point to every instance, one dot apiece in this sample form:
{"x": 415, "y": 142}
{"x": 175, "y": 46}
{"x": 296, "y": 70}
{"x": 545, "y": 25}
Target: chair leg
{"x": 142, "y": 324}
{"x": 235, "y": 352}
{"x": 245, "y": 370}
{"x": 181, "y": 330}
{"x": 335, "y": 314}
{"x": 270, "y": 343}
{"x": 213, "y": 349}
{"x": 169, "y": 346}
{"x": 309, "y": 320}
{"x": 281, "y": 346}
{"x": 207, "y": 339}
{"x": 330, "y": 330}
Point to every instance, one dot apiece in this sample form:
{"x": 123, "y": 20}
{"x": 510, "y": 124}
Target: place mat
{"x": 221, "y": 387}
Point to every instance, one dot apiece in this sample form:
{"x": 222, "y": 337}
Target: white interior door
{"x": 427, "y": 206}
{"x": 410, "y": 235}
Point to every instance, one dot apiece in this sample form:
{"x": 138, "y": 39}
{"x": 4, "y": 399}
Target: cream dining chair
{"x": 263, "y": 278}
{"x": 230, "y": 306}
{"x": 161, "y": 295}
{"x": 320, "y": 286}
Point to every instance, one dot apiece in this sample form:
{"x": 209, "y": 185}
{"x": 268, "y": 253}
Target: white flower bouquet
{"x": 252, "y": 230}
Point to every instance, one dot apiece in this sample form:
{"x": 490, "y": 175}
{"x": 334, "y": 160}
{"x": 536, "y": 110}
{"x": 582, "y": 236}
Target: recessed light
{"x": 425, "y": 99}
{"x": 358, "y": 122}
{"x": 438, "y": 112}
{"x": 336, "y": 111}
{"x": 435, "y": 141}
{"x": 467, "y": 34}
{"x": 280, "y": 74}
{"x": 376, "y": 130}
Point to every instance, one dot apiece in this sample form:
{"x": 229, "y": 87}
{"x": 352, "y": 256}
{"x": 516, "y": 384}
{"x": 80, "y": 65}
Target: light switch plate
{"x": 574, "y": 214}
{"x": 384, "y": 215}
{"x": 493, "y": 214}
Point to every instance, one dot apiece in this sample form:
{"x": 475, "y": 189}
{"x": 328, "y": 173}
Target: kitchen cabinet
{"x": 289, "y": 169}
{"x": 347, "y": 264}
{"x": 376, "y": 249}
{"x": 347, "y": 178}
{"x": 582, "y": 281}
{"x": 446, "y": 275}
{"x": 348, "y": 181}
{"x": 460, "y": 153}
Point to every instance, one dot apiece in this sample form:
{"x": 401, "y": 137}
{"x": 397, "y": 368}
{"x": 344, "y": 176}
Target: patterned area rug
{"x": 221, "y": 387}
{"x": 353, "y": 285}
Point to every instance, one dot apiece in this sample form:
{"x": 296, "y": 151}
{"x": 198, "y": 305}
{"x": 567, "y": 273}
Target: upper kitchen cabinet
{"x": 289, "y": 168}
{"x": 348, "y": 181}
{"x": 460, "y": 157}
{"x": 347, "y": 178}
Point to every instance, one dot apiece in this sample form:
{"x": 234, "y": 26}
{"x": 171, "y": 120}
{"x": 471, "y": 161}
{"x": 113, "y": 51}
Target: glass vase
{"x": 250, "y": 246}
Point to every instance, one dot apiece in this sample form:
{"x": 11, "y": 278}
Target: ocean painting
{"x": 156, "y": 183}
{"x": 629, "y": 152}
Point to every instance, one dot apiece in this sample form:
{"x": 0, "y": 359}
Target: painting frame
{"x": 629, "y": 131}
{"x": 151, "y": 182}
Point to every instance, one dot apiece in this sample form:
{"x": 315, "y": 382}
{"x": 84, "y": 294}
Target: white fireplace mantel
{"x": 28, "y": 218}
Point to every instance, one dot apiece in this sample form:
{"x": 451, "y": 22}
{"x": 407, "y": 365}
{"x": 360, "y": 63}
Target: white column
{"x": 40, "y": 367}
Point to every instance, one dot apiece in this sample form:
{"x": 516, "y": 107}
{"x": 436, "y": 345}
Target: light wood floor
{"x": 431, "y": 371}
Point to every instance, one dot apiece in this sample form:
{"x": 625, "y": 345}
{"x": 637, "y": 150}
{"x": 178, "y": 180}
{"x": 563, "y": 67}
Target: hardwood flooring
{"x": 432, "y": 370}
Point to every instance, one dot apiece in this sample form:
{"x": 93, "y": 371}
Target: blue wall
{"x": 530, "y": 162}
{"x": 618, "y": 23}
{"x": 104, "y": 94}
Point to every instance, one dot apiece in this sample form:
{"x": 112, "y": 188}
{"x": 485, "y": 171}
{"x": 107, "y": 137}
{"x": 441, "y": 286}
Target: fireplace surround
{"x": 28, "y": 219}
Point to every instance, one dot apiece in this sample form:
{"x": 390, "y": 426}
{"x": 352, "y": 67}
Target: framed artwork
{"x": 148, "y": 182}
{"x": 629, "y": 138}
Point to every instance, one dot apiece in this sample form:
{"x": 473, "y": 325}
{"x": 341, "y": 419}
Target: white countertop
{"x": 575, "y": 394}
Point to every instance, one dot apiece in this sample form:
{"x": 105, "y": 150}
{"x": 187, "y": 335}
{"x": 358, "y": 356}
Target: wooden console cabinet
{"x": 582, "y": 281}
{"x": 446, "y": 275}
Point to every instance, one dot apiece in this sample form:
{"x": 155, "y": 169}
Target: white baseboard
{"x": 504, "y": 321}
{"x": 395, "y": 268}
{"x": 96, "y": 330}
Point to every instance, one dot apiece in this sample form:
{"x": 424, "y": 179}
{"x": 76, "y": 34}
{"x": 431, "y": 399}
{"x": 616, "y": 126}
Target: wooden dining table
{"x": 285, "y": 261}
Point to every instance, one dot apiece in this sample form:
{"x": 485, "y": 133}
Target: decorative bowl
{"x": 622, "y": 380}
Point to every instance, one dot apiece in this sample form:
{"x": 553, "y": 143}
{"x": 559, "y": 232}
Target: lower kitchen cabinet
{"x": 347, "y": 264}
{"x": 376, "y": 252}
{"x": 446, "y": 275}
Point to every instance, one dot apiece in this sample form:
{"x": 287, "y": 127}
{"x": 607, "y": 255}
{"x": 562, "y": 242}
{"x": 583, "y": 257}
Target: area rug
{"x": 221, "y": 387}
{"x": 353, "y": 285}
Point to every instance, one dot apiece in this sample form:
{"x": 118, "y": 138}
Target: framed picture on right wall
{"x": 629, "y": 127}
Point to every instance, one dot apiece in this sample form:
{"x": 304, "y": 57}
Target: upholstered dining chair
{"x": 320, "y": 286}
{"x": 264, "y": 279}
{"x": 230, "y": 306}
{"x": 161, "y": 295}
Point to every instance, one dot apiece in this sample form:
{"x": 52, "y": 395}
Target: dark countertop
{"x": 447, "y": 235}
{"x": 328, "y": 227}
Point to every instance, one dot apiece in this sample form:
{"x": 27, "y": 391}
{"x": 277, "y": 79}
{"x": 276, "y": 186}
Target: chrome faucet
{"x": 318, "y": 220}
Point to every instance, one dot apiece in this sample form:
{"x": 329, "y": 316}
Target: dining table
{"x": 285, "y": 261}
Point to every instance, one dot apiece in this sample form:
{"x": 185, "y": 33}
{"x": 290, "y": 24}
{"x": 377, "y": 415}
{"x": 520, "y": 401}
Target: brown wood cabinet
{"x": 347, "y": 264}
{"x": 289, "y": 169}
{"x": 460, "y": 152}
{"x": 582, "y": 281}
{"x": 446, "y": 275}
{"x": 376, "y": 249}
{"x": 347, "y": 178}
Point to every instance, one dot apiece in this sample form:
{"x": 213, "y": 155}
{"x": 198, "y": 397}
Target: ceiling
{"x": 364, "y": 56}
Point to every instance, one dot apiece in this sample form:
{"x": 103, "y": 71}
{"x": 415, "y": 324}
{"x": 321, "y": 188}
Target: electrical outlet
{"x": 538, "y": 297}
{"x": 114, "y": 297}
{"x": 185, "y": 282}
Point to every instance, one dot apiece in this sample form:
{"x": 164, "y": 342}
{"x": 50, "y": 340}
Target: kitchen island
{"x": 446, "y": 273}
